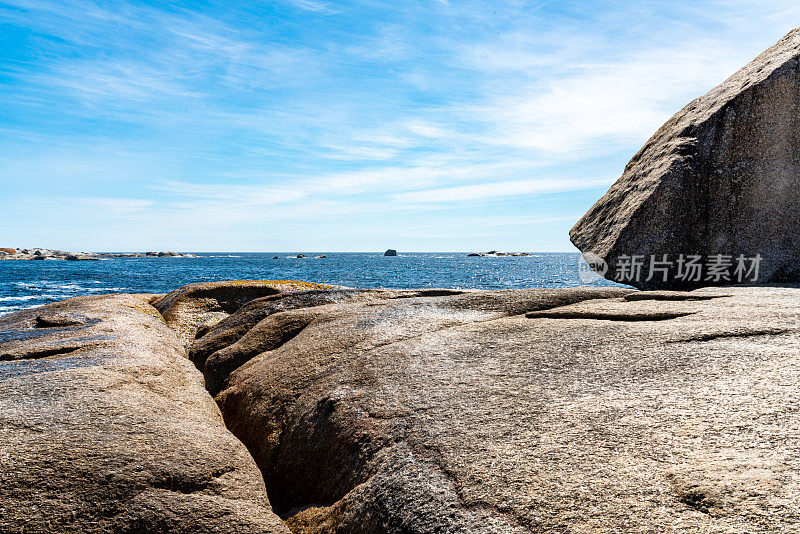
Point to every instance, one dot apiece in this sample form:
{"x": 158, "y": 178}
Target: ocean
{"x": 25, "y": 284}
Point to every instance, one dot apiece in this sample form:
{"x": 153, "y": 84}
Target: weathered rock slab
{"x": 580, "y": 410}
{"x": 400, "y": 411}
{"x": 105, "y": 426}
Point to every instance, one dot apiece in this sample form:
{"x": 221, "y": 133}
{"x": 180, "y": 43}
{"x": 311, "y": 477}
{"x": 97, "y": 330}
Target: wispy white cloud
{"x": 600, "y": 105}
{"x": 109, "y": 206}
{"x": 242, "y": 196}
{"x": 504, "y": 189}
{"x": 244, "y": 119}
{"x": 313, "y": 5}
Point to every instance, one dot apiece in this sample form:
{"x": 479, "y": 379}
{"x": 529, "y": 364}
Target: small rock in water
{"x": 496, "y": 254}
{"x": 390, "y": 252}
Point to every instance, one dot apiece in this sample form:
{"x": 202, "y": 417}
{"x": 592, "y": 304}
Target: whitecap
{"x": 28, "y": 285}
{"x": 26, "y": 297}
{"x": 8, "y": 309}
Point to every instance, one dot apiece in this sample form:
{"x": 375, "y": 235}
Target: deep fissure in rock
{"x": 606, "y": 316}
{"x": 39, "y": 354}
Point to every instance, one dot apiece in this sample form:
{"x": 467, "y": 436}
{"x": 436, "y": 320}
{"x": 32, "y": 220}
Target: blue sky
{"x": 342, "y": 126}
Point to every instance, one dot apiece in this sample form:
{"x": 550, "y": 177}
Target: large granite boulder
{"x": 715, "y": 186}
{"x": 105, "y": 427}
{"x": 580, "y": 410}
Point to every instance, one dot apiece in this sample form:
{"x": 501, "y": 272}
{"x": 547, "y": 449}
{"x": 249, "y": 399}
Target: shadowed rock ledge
{"x": 381, "y": 411}
{"x": 196, "y": 307}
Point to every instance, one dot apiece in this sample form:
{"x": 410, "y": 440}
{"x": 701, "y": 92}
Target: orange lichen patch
{"x": 279, "y": 285}
{"x": 290, "y": 283}
{"x": 147, "y": 298}
{"x": 235, "y": 291}
{"x": 8, "y": 250}
{"x": 146, "y": 309}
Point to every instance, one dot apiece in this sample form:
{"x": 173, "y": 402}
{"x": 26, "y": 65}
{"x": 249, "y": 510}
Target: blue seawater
{"x": 24, "y": 284}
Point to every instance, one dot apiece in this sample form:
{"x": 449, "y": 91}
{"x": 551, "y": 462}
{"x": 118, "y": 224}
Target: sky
{"x": 308, "y": 125}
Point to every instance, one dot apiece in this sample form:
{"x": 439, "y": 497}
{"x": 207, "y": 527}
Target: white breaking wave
{"x": 8, "y": 309}
{"x": 12, "y": 299}
{"x": 44, "y": 284}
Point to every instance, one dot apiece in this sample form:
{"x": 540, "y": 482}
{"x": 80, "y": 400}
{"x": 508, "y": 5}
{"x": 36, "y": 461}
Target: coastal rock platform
{"x": 377, "y": 411}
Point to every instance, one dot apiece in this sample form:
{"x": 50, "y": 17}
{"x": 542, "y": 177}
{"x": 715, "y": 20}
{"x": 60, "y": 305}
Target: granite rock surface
{"x": 718, "y": 181}
{"x": 105, "y": 426}
{"x": 580, "y": 410}
{"x": 404, "y": 411}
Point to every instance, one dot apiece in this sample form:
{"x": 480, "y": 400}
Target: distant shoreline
{"x": 50, "y": 254}
{"x": 43, "y": 253}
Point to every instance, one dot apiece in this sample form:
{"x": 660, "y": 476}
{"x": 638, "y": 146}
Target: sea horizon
{"x": 25, "y": 284}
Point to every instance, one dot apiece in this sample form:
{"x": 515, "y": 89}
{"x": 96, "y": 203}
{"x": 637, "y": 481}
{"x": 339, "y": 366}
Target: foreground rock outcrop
{"x": 389, "y": 411}
{"x": 718, "y": 181}
{"x": 581, "y": 410}
{"x": 105, "y": 427}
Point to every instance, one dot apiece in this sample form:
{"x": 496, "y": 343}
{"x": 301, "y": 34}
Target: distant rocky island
{"x": 497, "y": 254}
{"x": 51, "y": 254}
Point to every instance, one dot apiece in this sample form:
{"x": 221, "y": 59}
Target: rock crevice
{"x": 110, "y": 429}
{"x": 386, "y": 414}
